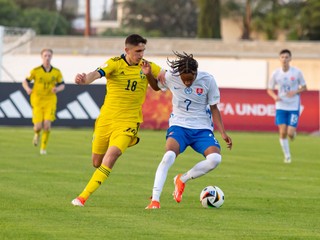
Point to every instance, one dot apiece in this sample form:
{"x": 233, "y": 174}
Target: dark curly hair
{"x": 184, "y": 63}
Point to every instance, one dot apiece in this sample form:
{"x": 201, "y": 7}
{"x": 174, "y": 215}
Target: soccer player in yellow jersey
{"x": 47, "y": 82}
{"x": 117, "y": 126}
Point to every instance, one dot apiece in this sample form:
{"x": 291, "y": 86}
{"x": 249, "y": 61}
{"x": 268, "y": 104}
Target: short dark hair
{"x": 135, "y": 39}
{"x": 185, "y": 63}
{"x": 285, "y": 51}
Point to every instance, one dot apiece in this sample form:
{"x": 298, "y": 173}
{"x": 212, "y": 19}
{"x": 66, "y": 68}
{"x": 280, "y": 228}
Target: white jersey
{"x": 191, "y": 104}
{"x": 287, "y": 81}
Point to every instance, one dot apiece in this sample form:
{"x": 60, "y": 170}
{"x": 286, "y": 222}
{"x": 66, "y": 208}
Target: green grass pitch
{"x": 264, "y": 197}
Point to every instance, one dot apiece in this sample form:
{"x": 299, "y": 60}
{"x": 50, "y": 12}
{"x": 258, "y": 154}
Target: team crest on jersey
{"x": 292, "y": 78}
{"x": 188, "y": 90}
{"x": 199, "y": 91}
{"x": 142, "y": 76}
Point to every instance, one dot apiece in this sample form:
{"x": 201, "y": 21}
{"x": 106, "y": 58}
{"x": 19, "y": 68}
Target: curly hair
{"x": 185, "y": 63}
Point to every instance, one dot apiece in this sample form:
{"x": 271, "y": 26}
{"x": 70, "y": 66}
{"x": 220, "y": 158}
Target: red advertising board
{"x": 241, "y": 109}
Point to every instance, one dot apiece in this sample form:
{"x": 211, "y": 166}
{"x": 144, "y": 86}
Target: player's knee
{"x": 291, "y": 135}
{"x": 168, "y": 158}
{"x": 47, "y": 129}
{"x": 96, "y": 161}
{"x": 96, "y": 164}
{"x": 214, "y": 159}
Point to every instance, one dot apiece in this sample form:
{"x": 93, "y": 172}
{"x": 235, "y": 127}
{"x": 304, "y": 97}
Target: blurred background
{"x": 237, "y": 41}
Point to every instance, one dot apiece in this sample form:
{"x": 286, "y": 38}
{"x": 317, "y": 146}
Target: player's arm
{"x": 146, "y": 69}
{"x": 217, "y": 119}
{"x": 271, "y": 87}
{"x": 272, "y": 94}
{"x": 59, "y": 87}
{"x": 300, "y": 90}
{"x": 25, "y": 85}
{"x": 87, "y": 78}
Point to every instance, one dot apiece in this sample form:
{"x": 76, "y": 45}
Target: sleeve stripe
{"x": 102, "y": 73}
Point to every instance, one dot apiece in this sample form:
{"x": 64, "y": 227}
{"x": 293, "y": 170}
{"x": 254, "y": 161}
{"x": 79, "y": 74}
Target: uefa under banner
{"x": 78, "y": 106}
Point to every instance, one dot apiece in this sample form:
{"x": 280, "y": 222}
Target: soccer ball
{"x": 211, "y": 197}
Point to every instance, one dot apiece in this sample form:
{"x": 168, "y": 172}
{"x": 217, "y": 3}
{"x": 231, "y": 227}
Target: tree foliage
{"x": 41, "y": 20}
{"x": 47, "y": 4}
{"x": 45, "y": 22}
{"x": 297, "y": 19}
{"x": 209, "y": 25}
{"x": 166, "y": 18}
{"x": 9, "y": 13}
{"x": 310, "y": 20}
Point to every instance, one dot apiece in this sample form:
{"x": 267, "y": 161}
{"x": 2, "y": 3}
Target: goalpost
{"x": 13, "y": 39}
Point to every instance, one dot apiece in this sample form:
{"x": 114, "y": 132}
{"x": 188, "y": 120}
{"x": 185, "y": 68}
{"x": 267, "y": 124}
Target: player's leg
{"x": 292, "y": 132}
{"x": 97, "y": 159}
{"x": 45, "y": 136}
{"x": 281, "y": 121}
{"x": 118, "y": 143}
{"x": 36, "y": 136}
{"x": 99, "y": 176}
{"x": 172, "y": 151}
{"x": 37, "y": 119}
{"x": 174, "y": 145}
{"x": 100, "y": 143}
{"x": 291, "y": 126}
{"x": 293, "y": 123}
{"x": 284, "y": 143}
{"x": 206, "y": 144}
{"x": 211, "y": 161}
{"x": 49, "y": 113}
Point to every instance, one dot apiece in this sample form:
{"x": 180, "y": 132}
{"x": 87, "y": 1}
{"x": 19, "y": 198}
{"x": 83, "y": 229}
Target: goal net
{"x": 12, "y": 40}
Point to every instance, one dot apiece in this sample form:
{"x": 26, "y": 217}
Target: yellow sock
{"x": 98, "y": 177}
{"x": 44, "y": 139}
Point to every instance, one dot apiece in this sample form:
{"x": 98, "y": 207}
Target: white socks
{"x": 284, "y": 143}
{"x": 161, "y": 174}
{"x": 203, "y": 167}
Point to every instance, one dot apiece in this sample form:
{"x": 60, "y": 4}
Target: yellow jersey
{"x": 44, "y": 81}
{"x": 126, "y": 90}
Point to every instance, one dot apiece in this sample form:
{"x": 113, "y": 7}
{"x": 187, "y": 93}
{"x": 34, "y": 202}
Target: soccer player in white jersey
{"x": 195, "y": 98}
{"x": 290, "y": 83}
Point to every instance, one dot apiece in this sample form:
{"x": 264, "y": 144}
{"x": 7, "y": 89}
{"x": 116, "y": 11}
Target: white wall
{"x": 233, "y": 73}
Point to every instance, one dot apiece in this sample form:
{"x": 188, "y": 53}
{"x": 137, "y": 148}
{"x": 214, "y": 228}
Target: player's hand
{"x": 161, "y": 77}
{"x": 80, "y": 78}
{"x": 29, "y": 91}
{"x": 54, "y": 90}
{"x": 278, "y": 98}
{"x": 291, "y": 93}
{"x": 228, "y": 140}
{"x": 146, "y": 67}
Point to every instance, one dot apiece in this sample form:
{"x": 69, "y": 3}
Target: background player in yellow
{"x": 117, "y": 126}
{"x": 47, "y": 82}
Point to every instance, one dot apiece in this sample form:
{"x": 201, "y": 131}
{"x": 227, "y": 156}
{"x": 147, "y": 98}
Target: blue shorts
{"x": 198, "y": 139}
{"x": 289, "y": 118}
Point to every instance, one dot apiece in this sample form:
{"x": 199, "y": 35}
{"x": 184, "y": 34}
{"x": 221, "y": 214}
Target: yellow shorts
{"x": 122, "y": 135}
{"x": 43, "y": 109}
